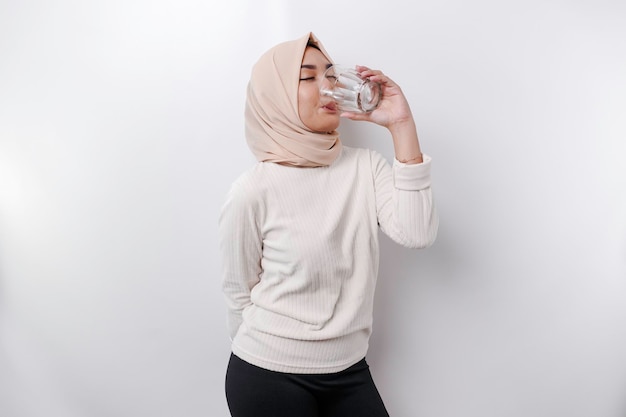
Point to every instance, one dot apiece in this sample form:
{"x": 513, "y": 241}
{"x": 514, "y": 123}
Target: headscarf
{"x": 274, "y": 131}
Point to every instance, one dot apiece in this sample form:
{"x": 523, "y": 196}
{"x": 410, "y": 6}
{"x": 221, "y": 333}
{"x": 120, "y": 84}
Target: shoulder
{"x": 362, "y": 155}
{"x": 247, "y": 189}
{"x": 365, "y": 157}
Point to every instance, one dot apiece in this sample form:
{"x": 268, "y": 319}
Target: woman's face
{"x": 318, "y": 113}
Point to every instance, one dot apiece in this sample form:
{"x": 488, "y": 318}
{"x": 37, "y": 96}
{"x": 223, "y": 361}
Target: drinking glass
{"x": 349, "y": 91}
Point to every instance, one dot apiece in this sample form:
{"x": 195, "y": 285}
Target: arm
{"x": 395, "y": 114}
{"x": 404, "y": 201}
{"x": 241, "y": 251}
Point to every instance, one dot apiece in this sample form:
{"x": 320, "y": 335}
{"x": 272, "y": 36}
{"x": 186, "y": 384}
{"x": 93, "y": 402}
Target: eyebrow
{"x": 313, "y": 67}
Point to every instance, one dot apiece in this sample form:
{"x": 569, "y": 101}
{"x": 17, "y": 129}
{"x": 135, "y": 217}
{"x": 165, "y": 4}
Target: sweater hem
{"x": 292, "y": 369}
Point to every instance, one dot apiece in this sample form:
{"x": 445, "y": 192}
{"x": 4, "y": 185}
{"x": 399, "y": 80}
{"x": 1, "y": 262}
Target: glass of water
{"x": 349, "y": 91}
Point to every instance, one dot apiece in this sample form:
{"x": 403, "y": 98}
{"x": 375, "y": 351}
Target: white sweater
{"x": 300, "y": 255}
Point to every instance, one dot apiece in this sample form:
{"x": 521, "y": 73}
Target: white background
{"x": 121, "y": 129}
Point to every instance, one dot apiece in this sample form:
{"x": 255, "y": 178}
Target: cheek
{"x": 307, "y": 98}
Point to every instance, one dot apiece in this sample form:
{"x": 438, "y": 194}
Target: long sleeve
{"x": 404, "y": 201}
{"x": 241, "y": 250}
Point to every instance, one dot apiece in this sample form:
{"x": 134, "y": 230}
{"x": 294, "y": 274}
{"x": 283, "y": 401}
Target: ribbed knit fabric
{"x": 300, "y": 255}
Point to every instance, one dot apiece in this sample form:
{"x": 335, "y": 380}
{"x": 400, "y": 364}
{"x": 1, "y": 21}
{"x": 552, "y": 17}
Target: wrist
{"x": 405, "y": 142}
{"x": 402, "y": 126}
{"x": 414, "y": 160}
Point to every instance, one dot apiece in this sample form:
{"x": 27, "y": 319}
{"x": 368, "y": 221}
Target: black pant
{"x": 252, "y": 391}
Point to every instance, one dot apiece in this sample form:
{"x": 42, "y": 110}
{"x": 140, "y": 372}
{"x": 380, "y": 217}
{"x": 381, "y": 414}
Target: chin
{"x": 326, "y": 131}
{"x": 325, "y": 125}
{"x": 329, "y": 127}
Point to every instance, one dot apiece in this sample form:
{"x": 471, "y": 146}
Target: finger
{"x": 377, "y": 76}
{"x": 383, "y": 79}
{"x": 355, "y": 116}
{"x": 370, "y": 72}
{"x": 366, "y": 72}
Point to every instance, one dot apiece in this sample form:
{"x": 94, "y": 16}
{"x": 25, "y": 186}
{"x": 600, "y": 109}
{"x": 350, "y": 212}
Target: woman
{"x": 299, "y": 240}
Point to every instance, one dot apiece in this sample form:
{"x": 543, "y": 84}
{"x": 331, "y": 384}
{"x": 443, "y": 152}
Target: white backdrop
{"x": 121, "y": 131}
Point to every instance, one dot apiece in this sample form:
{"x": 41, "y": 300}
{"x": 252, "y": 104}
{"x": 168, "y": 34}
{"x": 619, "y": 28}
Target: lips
{"x": 330, "y": 106}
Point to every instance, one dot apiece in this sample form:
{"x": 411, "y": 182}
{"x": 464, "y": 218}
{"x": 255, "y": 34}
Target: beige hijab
{"x": 274, "y": 130}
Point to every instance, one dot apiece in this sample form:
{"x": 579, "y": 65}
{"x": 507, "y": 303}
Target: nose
{"x": 326, "y": 87}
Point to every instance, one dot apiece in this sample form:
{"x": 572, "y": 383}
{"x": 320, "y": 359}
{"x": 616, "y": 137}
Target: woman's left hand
{"x": 393, "y": 108}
